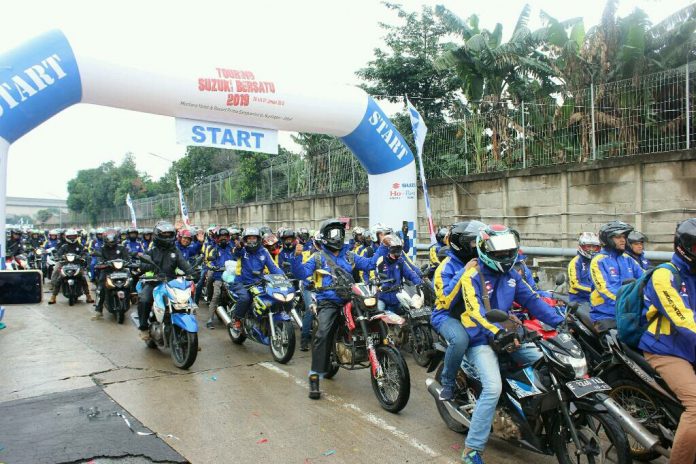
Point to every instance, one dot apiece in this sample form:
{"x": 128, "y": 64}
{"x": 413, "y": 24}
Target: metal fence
{"x": 649, "y": 114}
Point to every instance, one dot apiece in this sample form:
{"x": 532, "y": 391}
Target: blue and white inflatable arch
{"x": 45, "y": 75}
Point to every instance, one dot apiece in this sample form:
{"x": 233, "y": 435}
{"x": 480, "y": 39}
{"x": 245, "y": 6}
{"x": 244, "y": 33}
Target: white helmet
{"x": 358, "y": 231}
{"x": 379, "y": 228}
{"x": 588, "y": 244}
{"x": 71, "y": 236}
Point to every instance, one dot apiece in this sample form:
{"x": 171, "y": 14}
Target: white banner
{"x": 216, "y": 135}
{"x": 182, "y": 203}
{"x": 129, "y": 202}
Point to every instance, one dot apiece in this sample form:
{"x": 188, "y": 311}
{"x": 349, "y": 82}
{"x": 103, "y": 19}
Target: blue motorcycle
{"x": 173, "y": 322}
{"x": 268, "y": 321}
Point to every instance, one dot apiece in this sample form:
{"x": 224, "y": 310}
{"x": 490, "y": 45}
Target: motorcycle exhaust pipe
{"x": 434, "y": 388}
{"x": 633, "y": 427}
{"x": 222, "y": 314}
{"x": 296, "y": 317}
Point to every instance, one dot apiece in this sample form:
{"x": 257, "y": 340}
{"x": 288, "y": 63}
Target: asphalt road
{"x": 234, "y": 405}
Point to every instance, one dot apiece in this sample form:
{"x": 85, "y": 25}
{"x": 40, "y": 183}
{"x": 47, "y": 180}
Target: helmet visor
{"x": 502, "y": 243}
{"x": 335, "y": 234}
{"x": 167, "y": 235}
{"x": 593, "y": 249}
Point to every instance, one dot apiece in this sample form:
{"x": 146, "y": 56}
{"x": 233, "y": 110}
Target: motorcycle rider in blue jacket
{"x": 335, "y": 258}
{"x": 252, "y": 259}
{"x": 669, "y": 343}
{"x": 608, "y": 270}
{"x": 132, "y": 242}
{"x": 495, "y": 284}
{"x": 636, "y": 248}
{"x": 185, "y": 244}
{"x": 579, "y": 279}
{"x": 435, "y": 248}
{"x": 147, "y": 238}
{"x": 288, "y": 241}
{"x": 449, "y": 302}
{"x": 392, "y": 267}
{"x": 52, "y": 241}
{"x": 93, "y": 248}
{"x": 217, "y": 257}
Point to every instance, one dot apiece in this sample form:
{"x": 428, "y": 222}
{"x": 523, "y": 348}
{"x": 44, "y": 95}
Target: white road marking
{"x": 366, "y": 416}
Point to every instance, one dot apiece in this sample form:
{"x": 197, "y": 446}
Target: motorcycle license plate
{"x": 584, "y": 387}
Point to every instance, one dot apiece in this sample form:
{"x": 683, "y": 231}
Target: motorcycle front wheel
{"x": 121, "y": 309}
{"x": 600, "y": 434}
{"x": 394, "y": 387}
{"x": 237, "y": 336}
{"x": 283, "y": 345}
{"x": 421, "y": 341}
{"x": 184, "y": 346}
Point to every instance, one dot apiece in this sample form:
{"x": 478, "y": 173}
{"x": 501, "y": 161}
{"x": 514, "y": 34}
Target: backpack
{"x": 630, "y": 323}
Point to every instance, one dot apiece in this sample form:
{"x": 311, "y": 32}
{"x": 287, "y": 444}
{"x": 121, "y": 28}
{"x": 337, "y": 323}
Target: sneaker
{"x": 210, "y": 324}
{"x": 446, "y": 394}
{"x": 304, "y": 345}
{"x": 89, "y": 299}
{"x": 472, "y": 457}
{"x": 314, "y": 392}
{"x": 145, "y": 335}
{"x": 97, "y": 316}
{"x": 52, "y": 300}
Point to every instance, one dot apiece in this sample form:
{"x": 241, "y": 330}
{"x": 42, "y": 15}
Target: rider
{"x": 252, "y": 260}
{"x": 147, "y": 238}
{"x": 185, "y": 244}
{"x": 608, "y": 270}
{"x": 217, "y": 257}
{"x": 335, "y": 258}
{"x": 636, "y": 248}
{"x": 287, "y": 253}
{"x": 392, "y": 267}
{"x": 669, "y": 344}
{"x": 580, "y": 282}
{"x": 109, "y": 250}
{"x": 93, "y": 248}
{"x": 271, "y": 244}
{"x": 167, "y": 258}
{"x": 52, "y": 241}
{"x": 71, "y": 245}
{"x": 35, "y": 240}
{"x": 449, "y": 304}
{"x": 358, "y": 239}
{"x": 133, "y": 243}
{"x": 495, "y": 284}
{"x": 15, "y": 244}
{"x": 307, "y": 297}
{"x": 440, "y": 241}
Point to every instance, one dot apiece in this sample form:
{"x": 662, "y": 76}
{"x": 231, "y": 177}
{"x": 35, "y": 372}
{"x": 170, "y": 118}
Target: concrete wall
{"x": 549, "y": 206}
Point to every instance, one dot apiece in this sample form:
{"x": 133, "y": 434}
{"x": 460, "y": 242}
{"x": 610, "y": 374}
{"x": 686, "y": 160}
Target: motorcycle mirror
{"x": 497, "y": 316}
{"x": 560, "y": 279}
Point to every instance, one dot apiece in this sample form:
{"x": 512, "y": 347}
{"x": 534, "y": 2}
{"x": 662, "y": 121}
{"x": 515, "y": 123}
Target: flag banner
{"x": 420, "y": 130}
{"x": 182, "y": 203}
{"x": 129, "y": 202}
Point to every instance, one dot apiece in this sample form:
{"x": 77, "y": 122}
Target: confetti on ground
{"x": 456, "y": 447}
{"x": 213, "y": 378}
{"x": 328, "y": 452}
{"x": 263, "y": 440}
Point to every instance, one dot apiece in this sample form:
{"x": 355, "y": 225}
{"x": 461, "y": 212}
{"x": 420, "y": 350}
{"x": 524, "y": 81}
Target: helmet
{"x": 497, "y": 247}
{"x": 265, "y": 230}
{"x": 358, "y": 231}
{"x": 164, "y": 234}
{"x": 332, "y": 234}
{"x": 441, "y": 235}
{"x": 377, "y": 229}
{"x": 99, "y": 231}
{"x": 235, "y": 233}
{"x": 53, "y": 234}
{"x": 182, "y": 234}
{"x": 133, "y": 230}
{"x": 147, "y": 231}
{"x": 288, "y": 238}
{"x": 110, "y": 238}
{"x": 685, "y": 242}
{"x": 395, "y": 245}
{"x": 70, "y": 235}
{"x": 270, "y": 242}
{"x": 251, "y": 232}
{"x": 462, "y": 239}
{"x": 636, "y": 237}
{"x": 303, "y": 234}
{"x": 588, "y": 244}
{"x": 223, "y": 236}
{"x": 613, "y": 229}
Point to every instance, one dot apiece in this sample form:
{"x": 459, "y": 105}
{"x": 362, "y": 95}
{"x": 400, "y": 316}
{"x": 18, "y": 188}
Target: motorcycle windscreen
{"x": 20, "y": 287}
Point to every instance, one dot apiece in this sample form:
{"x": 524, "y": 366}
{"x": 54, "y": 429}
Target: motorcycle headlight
{"x": 39, "y": 252}
{"x": 118, "y": 265}
{"x": 279, "y": 296}
{"x": 579, "y": 365}
{"x": 290, "y": 296}
{"x": 70, "y": 258}
{"x": 370, "y": 301}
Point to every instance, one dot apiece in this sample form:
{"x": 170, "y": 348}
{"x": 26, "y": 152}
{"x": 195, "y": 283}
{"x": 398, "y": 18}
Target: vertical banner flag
{"x": 420, "y": 130}
{"x": 182, "y": 203}
{"x": 129, "y": 202}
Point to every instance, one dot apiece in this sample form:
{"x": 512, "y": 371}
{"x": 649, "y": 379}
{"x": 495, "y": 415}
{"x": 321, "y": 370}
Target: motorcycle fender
{"x": 185, "y": 321}
{"x": 390, "y": 319}
{"x": 281, "y": 316}
{"x": 643, "y": 376}
{"x": 591, "y": 403}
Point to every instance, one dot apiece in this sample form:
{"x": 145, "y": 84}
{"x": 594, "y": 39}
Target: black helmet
{"x": 265, "y": 230}
{"x": 288, "y": 238}
{"x": 251, "y": 232}
{"x": 685, "y": 242}
{"x": 164, "y": 234}
{"x": 613, "y": 229}
{"x": 110, "y": 238}
{"x": 636, "y": 237}
{"x": 223, "y": 236}
{"x": 303, "y": 234}
{"x": 462, "y": 239}
{"x": 332, "y": 234}
{"x": 441, "y": 234}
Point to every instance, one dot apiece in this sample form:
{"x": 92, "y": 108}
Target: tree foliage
{"x": 43, "y": 215}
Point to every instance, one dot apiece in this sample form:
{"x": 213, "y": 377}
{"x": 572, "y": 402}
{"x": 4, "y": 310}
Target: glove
{"x": 505, "y": 341}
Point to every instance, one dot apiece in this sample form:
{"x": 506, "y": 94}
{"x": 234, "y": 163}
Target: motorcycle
{"x": 416, "y": 333}
{"x": 173, "y": 322}
{"x": 50, "y": 264}
{"x": 71, "y": 274}
{"x": 268, "y": 321}
{"x": 35, "y": 259}
{"x": 117, "y": 287}
{"x": 636, "y": 386}
{"x": 551, "y": 407}
{"x": 362, "y": 342}
{"x": 17, "y": 262}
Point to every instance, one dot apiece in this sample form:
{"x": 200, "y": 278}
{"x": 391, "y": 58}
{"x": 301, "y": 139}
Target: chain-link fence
{"x": 649, "y": 114}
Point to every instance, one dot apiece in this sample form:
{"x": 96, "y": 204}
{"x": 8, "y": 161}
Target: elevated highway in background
{"x": 22, "y": 206}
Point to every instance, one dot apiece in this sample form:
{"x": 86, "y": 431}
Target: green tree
{"x": 43, "y": 215}
{"x": 196, "y": 165}
{"x": 405, "y": 66}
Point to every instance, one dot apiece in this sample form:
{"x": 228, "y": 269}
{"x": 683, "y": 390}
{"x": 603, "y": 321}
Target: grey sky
{"x": 322, "y": 39}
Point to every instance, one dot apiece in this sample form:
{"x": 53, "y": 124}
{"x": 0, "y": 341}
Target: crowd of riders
{"x": 473, "y": 267}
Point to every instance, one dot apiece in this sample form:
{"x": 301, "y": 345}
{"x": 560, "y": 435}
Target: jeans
{"x": 486, "y": 362}
{"x": 243, "y": 300}
{"x": 308, "y": 316}
{"x": 457, "y": 342}
{"x": 199, "y": 286}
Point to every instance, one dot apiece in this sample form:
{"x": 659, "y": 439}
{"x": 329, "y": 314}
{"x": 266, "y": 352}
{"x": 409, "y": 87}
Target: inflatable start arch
{"x": 44, "y": 76}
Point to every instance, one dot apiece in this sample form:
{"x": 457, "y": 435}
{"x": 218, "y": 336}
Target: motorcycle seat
{"x": 583, "y": 314}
